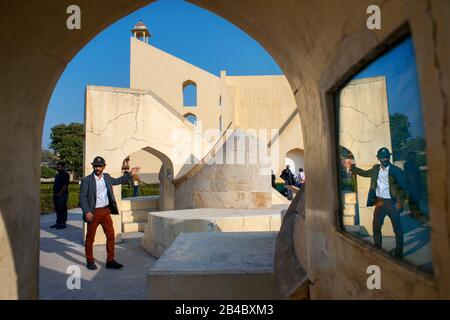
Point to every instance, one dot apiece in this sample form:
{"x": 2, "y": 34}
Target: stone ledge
{"x": 208, "y": 266}
{"x": 164, "y": 226}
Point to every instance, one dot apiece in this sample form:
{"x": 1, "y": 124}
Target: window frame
{"x": 184, "y": 85}
{"x": 331, "y": 82}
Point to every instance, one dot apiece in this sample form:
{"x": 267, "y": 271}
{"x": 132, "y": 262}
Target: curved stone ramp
{"x": 205, "y": 266}
{"x": 164, "y": 226}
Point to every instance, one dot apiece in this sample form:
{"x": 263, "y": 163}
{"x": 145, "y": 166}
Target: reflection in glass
{"x": 383, "y": 165}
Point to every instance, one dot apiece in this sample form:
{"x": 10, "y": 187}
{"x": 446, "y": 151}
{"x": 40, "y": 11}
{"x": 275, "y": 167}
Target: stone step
{"x": 209, "y": 266}
{"x": 135, "y": 216}
{"x": 133, "y": 227}
{"x": 140, "y": 203}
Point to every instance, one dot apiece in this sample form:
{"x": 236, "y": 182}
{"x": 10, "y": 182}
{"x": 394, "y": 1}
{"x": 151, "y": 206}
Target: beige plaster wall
{"x": 288, "y": 141}
{"x": 164, "y": 74}
{"x": 262, "y": 102}
{"x": 249, "y": 102}
{"x": 267, "y": 102}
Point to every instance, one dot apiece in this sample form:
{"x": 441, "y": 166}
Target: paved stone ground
{"x": 417, "y": 244}
{"x": 60, "y": 249}
{"x": 216, "y": 252}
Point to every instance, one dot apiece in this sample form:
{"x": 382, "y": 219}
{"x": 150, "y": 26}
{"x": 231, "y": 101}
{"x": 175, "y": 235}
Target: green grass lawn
{"x": 74, "y": 195}
{"x": 144, "y": 190}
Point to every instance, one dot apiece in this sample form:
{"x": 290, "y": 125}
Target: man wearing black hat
{"x": 98, "y": 203}
{"x": 61, "y": 195}
{"x": 387, "y": 193}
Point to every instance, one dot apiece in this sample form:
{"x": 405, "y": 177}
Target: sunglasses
{"x": 97, "y": 166}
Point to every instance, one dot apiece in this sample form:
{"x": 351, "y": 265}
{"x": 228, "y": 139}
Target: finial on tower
{"x": 141, "y": 32}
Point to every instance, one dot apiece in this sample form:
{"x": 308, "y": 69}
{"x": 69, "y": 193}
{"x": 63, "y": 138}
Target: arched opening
{"x": 335, "y": 274}
{"x": 146, "y": 183}
{"x": 189, "y": 93}
{"x": 295, "y": 159}
{"x": 192, "y": 118}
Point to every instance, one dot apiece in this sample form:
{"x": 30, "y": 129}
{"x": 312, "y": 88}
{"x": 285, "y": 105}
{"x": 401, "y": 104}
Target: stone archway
{"x": 315, "y": 57}
{"x": 295, "y": 158}
{"x": 166, "y": 176}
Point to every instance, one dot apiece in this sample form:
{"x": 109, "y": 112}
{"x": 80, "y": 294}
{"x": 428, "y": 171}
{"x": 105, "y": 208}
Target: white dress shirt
{"x": 102, "y": 193}
{"x": 383, "y": 183}
{"x": 300, "y": 177}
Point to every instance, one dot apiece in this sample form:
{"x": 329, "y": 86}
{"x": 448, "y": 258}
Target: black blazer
{"x": 88, "y": 192}
{"x": 396, "y": 179}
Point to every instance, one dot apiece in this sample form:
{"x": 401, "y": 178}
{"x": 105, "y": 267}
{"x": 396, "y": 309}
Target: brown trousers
{"x": 102, "y": 217}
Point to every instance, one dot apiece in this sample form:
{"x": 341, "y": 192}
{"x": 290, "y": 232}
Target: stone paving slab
{"x": 60, "y": 249}
{"x": 217, "y": 252}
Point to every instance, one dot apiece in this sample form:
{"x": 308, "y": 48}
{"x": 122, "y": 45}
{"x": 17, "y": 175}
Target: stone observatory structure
{"x": 314, "y": 256}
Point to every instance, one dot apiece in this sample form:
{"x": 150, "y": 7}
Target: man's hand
{"x": 135, "y": 170}
{"x": 89, "y": 217}
{"x": 348, "y": 164}
{"x": 399, "y": 206}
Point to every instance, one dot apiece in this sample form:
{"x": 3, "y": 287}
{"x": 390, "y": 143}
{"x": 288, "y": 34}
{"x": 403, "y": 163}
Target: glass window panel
{"x": 382, "y": 157}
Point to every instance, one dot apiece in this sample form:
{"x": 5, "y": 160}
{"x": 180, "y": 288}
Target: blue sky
{"x": 177, "y": 27}
{"x": 398, "y": 65}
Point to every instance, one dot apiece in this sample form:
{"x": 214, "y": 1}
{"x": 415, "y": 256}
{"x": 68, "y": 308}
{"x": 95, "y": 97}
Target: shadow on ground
{"x": 417, "y": 246}
{"x": 60, "y": 249}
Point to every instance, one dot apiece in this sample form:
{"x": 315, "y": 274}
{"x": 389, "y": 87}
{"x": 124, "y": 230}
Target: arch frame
{"x": 363, "y": 48}
{"x": 184, "y": 86}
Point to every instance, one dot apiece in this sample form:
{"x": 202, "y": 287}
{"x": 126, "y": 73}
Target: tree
{"x": 67, "y": 142}
{"x": 400, "y": 133}
{"x": 47, "y": 156}
{"x": 47, "y": 172}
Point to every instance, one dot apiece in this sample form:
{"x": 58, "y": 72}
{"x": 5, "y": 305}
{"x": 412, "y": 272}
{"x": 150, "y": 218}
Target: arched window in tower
{"x": 191, "y": 118}
{"x": 189, "y": 93}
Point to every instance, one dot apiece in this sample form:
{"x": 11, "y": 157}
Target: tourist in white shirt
{"x": 97, "y": 204}
{"x": 300, "y": 177}
{"x": 387, "y": 193}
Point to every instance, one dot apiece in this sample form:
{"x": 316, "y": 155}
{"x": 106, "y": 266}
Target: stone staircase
{"x": 135, "y": 212}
